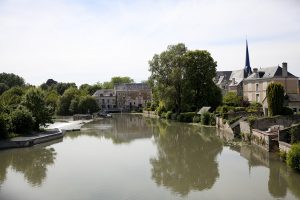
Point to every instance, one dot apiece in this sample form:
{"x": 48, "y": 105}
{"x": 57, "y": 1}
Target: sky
{"x": 89, "y": 41}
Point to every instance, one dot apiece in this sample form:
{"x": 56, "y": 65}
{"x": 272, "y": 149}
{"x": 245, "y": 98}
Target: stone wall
{"x": 265, "y": 139}
{"x": 285, "y": 121}
{"x": 151, "y": 114}
{"x": 285, "y": 135}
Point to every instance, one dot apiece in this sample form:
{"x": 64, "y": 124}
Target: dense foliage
{"x": 275, "y": 97}
{"x": 293, "y": 157}
{"x": 11, "y": 80}
{"x": 181, "y": 79}
{"x": 34, "y": 101}
{"x": 22, "y": 121}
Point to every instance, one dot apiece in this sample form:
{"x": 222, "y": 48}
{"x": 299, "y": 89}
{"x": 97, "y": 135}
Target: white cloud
{"x": 90, "y": 42}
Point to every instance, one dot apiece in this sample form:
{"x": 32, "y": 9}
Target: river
{"x": 130, "y": 157}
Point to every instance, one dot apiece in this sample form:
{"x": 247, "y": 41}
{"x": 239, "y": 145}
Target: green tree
{"x": 34, "y": 101}
{"x": 167, "y": 70}
{"x": 22, "y": 121}
{"x": 116, "y": 81}
{"x": 200, "y": 69}
{"x": 275, "y": 98}
{"x": 232, "y": 99}
{"x": 88, "y": 104}
{"x": 3, "y": 88}
{"x": 51, "y": 99}
{"x": 12, "y": 97}
{"x": 11, "y": 79}
{"x": 65, "y": 101}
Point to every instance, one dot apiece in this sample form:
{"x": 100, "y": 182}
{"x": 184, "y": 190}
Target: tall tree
{"x": 11, "y": 79}
{"x": 167, "y": 70}
{"x": 275, "y": 98}
{"x": 200, "y": 69}
{"x": 34, "y": 101}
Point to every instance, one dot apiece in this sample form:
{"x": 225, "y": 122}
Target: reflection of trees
{"x": 186, "y": 158}
{"x": 281, "y": 177}
{"x": 32, "y": 162}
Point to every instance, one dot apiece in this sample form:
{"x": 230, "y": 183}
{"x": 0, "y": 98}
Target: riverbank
{"x": 31, "y": 140}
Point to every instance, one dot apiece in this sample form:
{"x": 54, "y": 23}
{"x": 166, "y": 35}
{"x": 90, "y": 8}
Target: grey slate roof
{"x": 105, "y": 92}
{"x": 270, "y": 72}
{"x": 132, "y": 86}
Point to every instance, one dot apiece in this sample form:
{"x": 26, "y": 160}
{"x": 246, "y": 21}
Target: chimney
{"x": 284, "y": 69}
{"x": 255, "y": 71}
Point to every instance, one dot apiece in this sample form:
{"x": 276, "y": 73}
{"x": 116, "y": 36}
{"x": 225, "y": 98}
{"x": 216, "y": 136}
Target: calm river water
{"x": 131, "y": 157}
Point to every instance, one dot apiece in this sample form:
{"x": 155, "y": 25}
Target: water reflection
{"x": 120, "y": 129}
{"x": 281, "y": 178}
{"x": 31, "y": 162}
{"x": 186, "y": 158}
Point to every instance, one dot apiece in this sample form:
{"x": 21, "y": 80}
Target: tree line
{"x": 25, "y": 108}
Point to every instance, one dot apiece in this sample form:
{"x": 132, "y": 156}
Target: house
{"x": 132, "y": 95}
{"x": 106, "y": 98}
{"x": 255, "y": 86}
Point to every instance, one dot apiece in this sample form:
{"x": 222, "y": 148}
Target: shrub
{"x": 168, "y": 115}
{"x": 232, "y": 99}
{"x": 186, "y": 117}
{"x": 293, "y": 156}
{"x": 160, "y": 109}
{"x": 163, "y": 115}
{"x": 205, "y": 118}
{"x": 196, "y": 119}
{"x": 293, "y": 133}
{"x": 237, "y": 109}
{"x": 251, "y": 119}
{"x": 287, "y": 111}
{"x": 275, "y": 98}
{"x": 22, "y": 121}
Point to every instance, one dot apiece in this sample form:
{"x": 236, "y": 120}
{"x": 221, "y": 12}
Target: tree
{"x": 34, "y": 101}
{"x": 88, "y": 104}
{"x": 51, "y": 99}
{"x": 12, "y": 97}
{"x": 200, "y": 69}
{"x": 232, "y": 99}
{"x": 3, "y": 88}
{"x": 275, "y": 98}
{"x": 22, "y": 121}
{"x": 167, "y": 70}
{"x": 65, "y": 101}
{"x": 11, "y": 79}
{"x": 91, "y": 89}
{"x": 116, "y": 81}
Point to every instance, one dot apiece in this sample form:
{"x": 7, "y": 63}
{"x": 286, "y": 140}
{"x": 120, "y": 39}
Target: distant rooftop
{"x": 270, "y": 72}
{"x": 132, "y": 86}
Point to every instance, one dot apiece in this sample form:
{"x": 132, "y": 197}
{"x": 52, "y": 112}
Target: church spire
{"x": 248, "y": 69}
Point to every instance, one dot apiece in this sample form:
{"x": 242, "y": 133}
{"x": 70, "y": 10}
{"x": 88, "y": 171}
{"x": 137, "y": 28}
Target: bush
{"x": 163, "y": 115}
{"x": 287, "y": 111}
{"x": 251, "y": 119}
{"x": 22, "y": 121}
{"x": 186, "y": 117}
{"x": 168, "y": 115}
{"x": 237, "y": 109}
{"x": 160, "y": 109}
{"x": 231, "y": 121}
{"x": 196, "y": 119}
{"x": 293, "y": 156}
{"x": 294, "y": 135}
{"x": 205, "y": 118}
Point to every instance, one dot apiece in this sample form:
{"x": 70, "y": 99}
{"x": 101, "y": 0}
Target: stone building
{"x": 255, "y": 86}
{"x": 132, "y": 95}
{"x": 106, "y": 98}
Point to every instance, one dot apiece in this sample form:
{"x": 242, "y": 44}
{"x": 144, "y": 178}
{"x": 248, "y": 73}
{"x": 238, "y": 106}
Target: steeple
{"x": 247, "y": 69}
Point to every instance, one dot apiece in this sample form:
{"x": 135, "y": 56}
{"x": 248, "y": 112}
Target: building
{"x": 255, "y": 86}
{"x": 132, "y": 95}
{"x": 106, "y": 98}
{"x": 252, "y": 85}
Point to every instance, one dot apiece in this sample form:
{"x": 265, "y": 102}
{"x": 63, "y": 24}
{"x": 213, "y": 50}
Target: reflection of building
{"x": 132, "y": 95}
{"x": 106, "y": 98}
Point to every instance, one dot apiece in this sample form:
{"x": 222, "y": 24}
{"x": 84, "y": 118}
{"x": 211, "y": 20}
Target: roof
{"x": 104, "y": 92}
{"x": 203, "y": 110}
{"x": 236, "y": 82}
{"x": 132, "y": 86}
{"x": 222, "y": 76}
{"x": 270, "y": 72}
{"x": 237, "y": 74}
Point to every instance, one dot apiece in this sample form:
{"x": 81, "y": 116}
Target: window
{"x": 256, "y": 87}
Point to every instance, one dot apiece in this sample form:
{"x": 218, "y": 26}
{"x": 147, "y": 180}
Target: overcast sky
{"x": 86, "y": 41}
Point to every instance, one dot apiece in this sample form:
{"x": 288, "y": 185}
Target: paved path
{"x": 69, "y": 126}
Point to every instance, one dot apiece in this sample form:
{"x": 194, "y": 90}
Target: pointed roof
{"x": 248, "y": 69}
